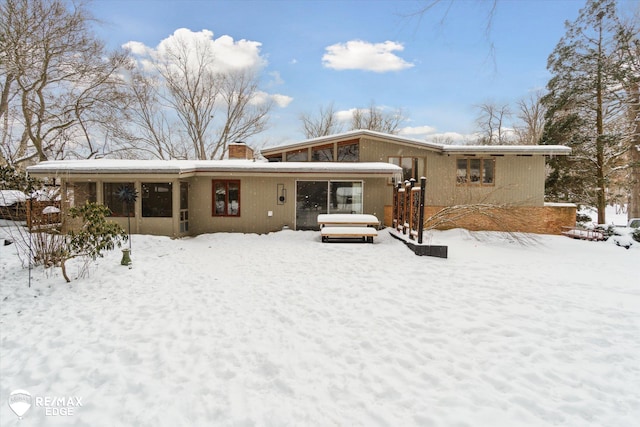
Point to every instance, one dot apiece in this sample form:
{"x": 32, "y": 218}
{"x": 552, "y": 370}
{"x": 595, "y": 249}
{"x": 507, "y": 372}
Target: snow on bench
{"x": 348, "y": 232}
{"x": 583, "y": 234}
{"x": 348, "y": 226}
{"x": 348, "y": 220}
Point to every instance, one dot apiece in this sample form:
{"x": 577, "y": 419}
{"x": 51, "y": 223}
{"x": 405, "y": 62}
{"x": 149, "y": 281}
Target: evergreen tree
{"x": 586, "y": 106}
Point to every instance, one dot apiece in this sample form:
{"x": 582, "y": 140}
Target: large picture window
{"x": 226, "y": 198}
{"x": 475, "y": 171}
{"x": 113, "y": 202}
{"x": 157, "y": 200}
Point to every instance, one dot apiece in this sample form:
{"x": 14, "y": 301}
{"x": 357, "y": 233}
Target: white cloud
{"x": 345, "y": 115}
{"x": 136, "y": 48}
{"x": 281, "y": 100}
{"x": 451, "y": 138}
{"x": 430, "y": 134}
{"x": 417, "y": 130}
{"x": 276, "y": 78}
{"x": 361, "y": 55}
{"x": 261, "y": 97}
{"x": 201, "y": 48}
{"x": 222, "y": 54}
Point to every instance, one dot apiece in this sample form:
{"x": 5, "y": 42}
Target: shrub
{"x": 94, "y": 236}
{"x": 582, "y": 219}
{"x": 13, "y": 179}
{"x": 607, "y": 230}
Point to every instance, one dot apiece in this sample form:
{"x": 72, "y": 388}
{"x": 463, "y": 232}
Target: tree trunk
{"x": 633, "y": 209}
{"x": 64, "y": 271}
{"x": 601, "y": 201}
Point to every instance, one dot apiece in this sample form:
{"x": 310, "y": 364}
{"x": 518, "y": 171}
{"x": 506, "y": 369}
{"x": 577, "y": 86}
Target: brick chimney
{"x": 240, "y": 150}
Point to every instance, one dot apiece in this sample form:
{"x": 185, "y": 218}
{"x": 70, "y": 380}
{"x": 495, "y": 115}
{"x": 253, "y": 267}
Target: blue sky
{"x": 436, "y": 67}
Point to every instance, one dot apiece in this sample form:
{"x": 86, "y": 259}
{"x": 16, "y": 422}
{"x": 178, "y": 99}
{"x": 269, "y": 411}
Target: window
{"x": 409, "y": 167}
{"x": 111, "y": 200}
{"x": 226, "y": 198}
{"x": 475, "y": 171}
{"x": 322, "y": 154}
{"x": 274, "y": 158}
{"x": 297, "y": 156}
{"x": 184, "y": 207}
{"x": 79, "y": 193}
{"x": 349, "y": 152}
{"x": 345, "y": 197}
{"x": 320, "y": 197}
{"x": 157, "y": 200}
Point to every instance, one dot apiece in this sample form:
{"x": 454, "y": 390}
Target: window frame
{"x": 226, "y": 183}
{"x": 147, "y": 195}
{"x": 415, "y": 166}
{"x": 107, "y": 201}
{"x": 322, "y": 148}
{"x": 341, "y": 153}
{"x": 292, "y": 155}
{"x": 482, "y": 172}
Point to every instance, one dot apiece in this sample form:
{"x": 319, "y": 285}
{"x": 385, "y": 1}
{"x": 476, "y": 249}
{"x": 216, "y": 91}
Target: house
{"x": 352, "y": 172}
{"x": 508, "y": 178}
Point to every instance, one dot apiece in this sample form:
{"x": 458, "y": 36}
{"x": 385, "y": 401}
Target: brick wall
{"x": 239, "y": 150}
{"x": 548, "y": 219}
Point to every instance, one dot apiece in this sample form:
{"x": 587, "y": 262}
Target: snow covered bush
{"x": 583, "y": 219}
{"x": 607, "y": 230}
{"x": 94, "y": 235}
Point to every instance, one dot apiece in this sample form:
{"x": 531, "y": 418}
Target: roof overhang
{"x": 64, "y": 168}
{"x": 345, "y": 136}
{"x": 525, "y": 150}
{"x": 522, "y": 150}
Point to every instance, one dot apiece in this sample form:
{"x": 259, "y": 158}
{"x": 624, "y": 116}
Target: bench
{"x": 348, "y": 226}
{"x": 365, "y": 233}
{"x": 365, "y": 220}
{"x": 583, "y": 234}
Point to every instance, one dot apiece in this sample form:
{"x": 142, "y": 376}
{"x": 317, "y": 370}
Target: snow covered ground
{"x": 283, "y": 330}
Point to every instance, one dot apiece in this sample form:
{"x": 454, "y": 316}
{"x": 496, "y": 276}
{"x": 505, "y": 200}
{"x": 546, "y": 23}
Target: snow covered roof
{"x": 113, "y": 166}
{"x": 443, "y": 148}
{"x": 540, "y": 150}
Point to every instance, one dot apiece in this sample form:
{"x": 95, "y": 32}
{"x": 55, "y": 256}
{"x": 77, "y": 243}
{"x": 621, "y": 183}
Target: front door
{"x": 311, "y": 200}
{"x": 184, "y": 207}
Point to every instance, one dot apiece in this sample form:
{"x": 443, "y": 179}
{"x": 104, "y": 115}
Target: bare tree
{"x": 376, "y": 119}
{"x": 491, "y": 122}
{"x": 430, "y": 7}
{"x": 192, "y": 88}
{"x": 243, "y": 115}
{"x": 441, "y": 139}
{"x": 60, "y": 87}
{"x": 192, "y": 107}
{"x": 325, "y": 123}
{"x": 531, "y": 115}
{"x": 154, "y": 135}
